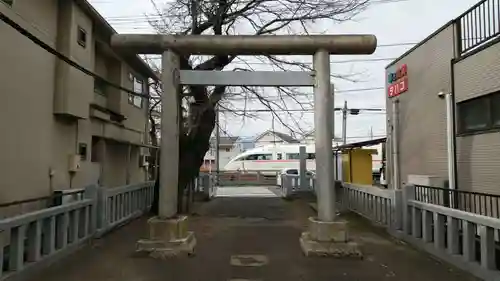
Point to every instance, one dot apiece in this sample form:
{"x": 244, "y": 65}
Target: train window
{"x": 311, "y": 156}
{"x": 259, "y": 157}
{"x": 294, "y": 156}
{"x": 279, "y": 156}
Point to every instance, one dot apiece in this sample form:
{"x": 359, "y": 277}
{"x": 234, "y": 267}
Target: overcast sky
{"x": 405, "y": 22}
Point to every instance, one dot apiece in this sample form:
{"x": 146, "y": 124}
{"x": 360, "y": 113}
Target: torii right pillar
{"x": 327, "y": 235}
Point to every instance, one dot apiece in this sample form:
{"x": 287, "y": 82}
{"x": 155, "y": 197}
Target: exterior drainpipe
{"x": 457, "y": 48}
{"x": 450, "y": 135}
{"x": 395, "y": 145}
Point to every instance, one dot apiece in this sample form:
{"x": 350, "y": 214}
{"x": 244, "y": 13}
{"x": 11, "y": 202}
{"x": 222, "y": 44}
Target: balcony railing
{"x": 478, "y": 25}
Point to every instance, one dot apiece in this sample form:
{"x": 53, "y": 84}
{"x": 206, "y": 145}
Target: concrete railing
{"x": 119, "y": 205}
{"x": 38, "y": 237}
{"x": 373, "y": 203}
{"x": 205, "y": 184}
{"x": 469, "y": 241}
{"x": 247, "y": 177}
{"x": 290, "y": 185}
{"x": 32, "y": 240}
{"x": 464, "y": 239}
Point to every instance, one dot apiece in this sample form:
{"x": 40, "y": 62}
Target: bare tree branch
{"x": 238, "y": 17}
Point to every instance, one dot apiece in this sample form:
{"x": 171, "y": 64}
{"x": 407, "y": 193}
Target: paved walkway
{"x": 250, "y": 239}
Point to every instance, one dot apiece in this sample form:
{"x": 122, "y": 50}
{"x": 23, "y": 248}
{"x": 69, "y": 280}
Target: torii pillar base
{"x": 168, "y": 238}
{"x": 328, "y": 239}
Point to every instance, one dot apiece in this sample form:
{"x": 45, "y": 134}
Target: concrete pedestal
{"x": 168, "y": 238}
{"x": 328, "y": 239}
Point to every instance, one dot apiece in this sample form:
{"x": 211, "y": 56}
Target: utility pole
{"x": 344, "y": 123}
{"x": 217, "y": 144}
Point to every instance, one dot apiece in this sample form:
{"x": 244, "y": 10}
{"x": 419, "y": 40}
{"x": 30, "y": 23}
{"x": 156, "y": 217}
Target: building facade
{"x": 462, "y": 59}
{"x": 229, "y": 147}
{"x": 62, "y": 128}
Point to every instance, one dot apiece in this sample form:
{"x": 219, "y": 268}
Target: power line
{"x": 172, "y": 15}
{"x": 371, "y": 110}
{"x": 62, "y": 57}
{"x": 301, "y": 94}
{"x": 144, "y": 18}
{"x": 291, "y": 63}
{"x": 252, "y": 140}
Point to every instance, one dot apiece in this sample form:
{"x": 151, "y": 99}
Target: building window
{"x": 139, "y": 89}
{"x": 99, "y": 86}
{"x": 479, "y": 114}
{"x": 82, "y": 37}
{"x": 82, "y": 151}
{"x": 8, "y": 2}
{"x": 254, "y": 157}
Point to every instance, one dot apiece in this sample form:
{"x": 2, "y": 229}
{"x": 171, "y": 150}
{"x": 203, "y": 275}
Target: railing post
{"x": 398, "y": 207}
{"x": 286, "y": 186}
{"x": 408, "y": 194}
{"x": 339, "y": 196}
{"x": 207, "y": 186}
{"x": 91, "y": 192}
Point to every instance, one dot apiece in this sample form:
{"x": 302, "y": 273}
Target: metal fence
{"x": 478, "y": 25}
{"x": 474, "y": 202}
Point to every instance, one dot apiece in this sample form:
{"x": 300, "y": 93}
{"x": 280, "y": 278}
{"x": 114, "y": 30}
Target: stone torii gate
{"x": 168, "y": 233}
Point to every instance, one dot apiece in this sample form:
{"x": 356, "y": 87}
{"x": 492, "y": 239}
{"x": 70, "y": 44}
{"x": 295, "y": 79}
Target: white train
{"x": 278, "y": 158}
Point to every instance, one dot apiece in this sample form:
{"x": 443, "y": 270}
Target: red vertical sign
{"x": 398, "y": 88}
{"x": 398, "y": 82}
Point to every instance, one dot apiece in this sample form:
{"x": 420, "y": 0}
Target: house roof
{"x": 280, "y": 135}
{"x": 311, "y": 134}
{"x": 362, "y": 143}
{"x": 107, "y": 30}
{"x": 226, "y": 141}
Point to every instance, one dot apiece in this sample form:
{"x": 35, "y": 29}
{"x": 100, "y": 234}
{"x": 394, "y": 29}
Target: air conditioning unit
{"x": 427, "y": 180}
{"x": 74, "y": 161}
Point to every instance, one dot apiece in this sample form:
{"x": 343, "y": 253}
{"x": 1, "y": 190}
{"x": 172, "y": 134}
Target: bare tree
{"x": 231, "y": 17}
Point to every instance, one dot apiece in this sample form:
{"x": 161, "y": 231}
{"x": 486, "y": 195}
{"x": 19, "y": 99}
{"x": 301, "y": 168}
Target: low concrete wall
{"x": 31, "y": 241}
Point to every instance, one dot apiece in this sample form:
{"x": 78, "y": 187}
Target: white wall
{"x": 224, "y": 156}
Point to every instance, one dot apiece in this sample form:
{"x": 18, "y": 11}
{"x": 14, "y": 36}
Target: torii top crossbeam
{"x": 245, "y": 44}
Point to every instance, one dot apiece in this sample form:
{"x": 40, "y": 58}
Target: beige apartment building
{"x": 61, "y": 128}
{"x": 461, "y": 59}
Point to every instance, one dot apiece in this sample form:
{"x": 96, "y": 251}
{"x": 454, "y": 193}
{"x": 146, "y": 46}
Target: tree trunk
{"x": 192, "y": 150}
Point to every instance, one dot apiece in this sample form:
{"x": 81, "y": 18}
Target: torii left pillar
{"x": 168, "y": 232}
